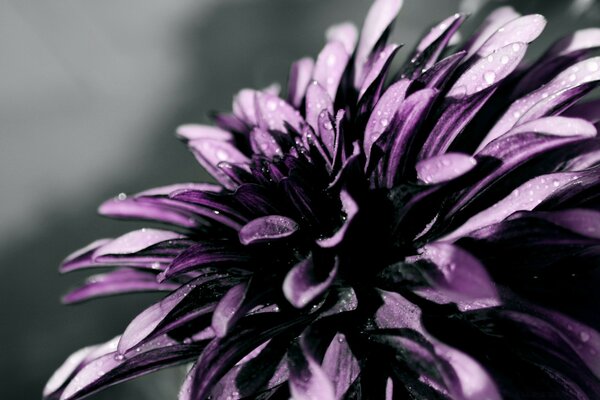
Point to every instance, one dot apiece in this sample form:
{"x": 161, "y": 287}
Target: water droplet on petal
{"x": 504, "y": 60}
{"x": 489, "y": 77}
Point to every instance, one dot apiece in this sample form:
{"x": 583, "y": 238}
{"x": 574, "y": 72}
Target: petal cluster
{"x": 428, "y": 232}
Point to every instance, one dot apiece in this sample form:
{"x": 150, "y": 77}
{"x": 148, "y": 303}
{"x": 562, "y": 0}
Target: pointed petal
{"x": 149, "y": 320}
{"x": 444, "y": 167}
{"x": 274, "y": 113}
{"x": 300, "y": 75}
{"x": 345, "y": 33}
{"x": 117, "y": 282}
{"x": 317, "y": 101}
{"x": 384, "y": 112}
{"x": 524, "y": 198}
{"x": 330, "y": 66}
{"x": 306, "y": 280}
{"x": 307, "y": 379}
{"x": 350, "y": 208}
{"x": 579, "y": 74}
{"x": 461, "y": 275}
{"x": 210, "y": 152}
{"x": 490, "y": 25}
{"x": 194, "y": 131}
{"x": 520, "y": 30}
{"x": 340, "y": 365}
{"x": 266, "y": 229}
{"x": 381, "y": 15}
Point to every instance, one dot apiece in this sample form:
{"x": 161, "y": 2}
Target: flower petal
{"x": 460, "y": 274}
{"x": 199, "y": 294}
{"x": 384, "y": 112}
{"x": 117, "y": 282}
{"x": 444, "y": 167}
{"x": 300, "y": 75}
{"x": 379, "y": 19}
{"x": 309, "y": 279}
{"x": 266, "y": 229}
{"x": 573, "y": 77}
{"x": 210, "y": 152}
{"x": 330, "y": 66}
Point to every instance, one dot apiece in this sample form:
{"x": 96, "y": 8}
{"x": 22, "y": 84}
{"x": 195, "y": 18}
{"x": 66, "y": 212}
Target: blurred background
{"x": 90, "y": 94}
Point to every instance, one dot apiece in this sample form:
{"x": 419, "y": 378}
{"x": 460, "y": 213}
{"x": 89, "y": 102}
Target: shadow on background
{"x": 237, "y": 44}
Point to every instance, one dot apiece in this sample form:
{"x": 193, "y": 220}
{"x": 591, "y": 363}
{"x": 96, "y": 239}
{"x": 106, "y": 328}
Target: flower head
{"x": 430, "y": 232}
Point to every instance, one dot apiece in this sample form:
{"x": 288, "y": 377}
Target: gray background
{"x": 90, "y": 93}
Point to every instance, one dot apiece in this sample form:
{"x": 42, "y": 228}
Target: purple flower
{"x": 427, "y": 232}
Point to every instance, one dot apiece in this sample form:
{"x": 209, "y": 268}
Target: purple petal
{"x": 243, "y": 106}
{"x": 340, "y": 365}
{"x": 488, "y": 70}
{"x": 579, "y": 220}
{"x": 266, "y": 229}
{"x": 575, "y": 76}
{"x": 148, "y": 208}
{"x": 330, "y": 66}
{"x": 117, "y": 282}
{"x": 579, "y": 40}
{"x": 524, "y": 198}
{"x": 438, "y": 74}
{"x": 384, "y": 112}
{"x": 112, "y": 368}
{"x": 397, "y": 312}
{"x": 307, "y": 281}
{"x": 405, "y": 127}
{"x": 381, "y": 15}
{"x": 378, "y": 70}
{"x": 274, "y": 113}
{"x": 259, "y": 374}
{"x": 490, "y": 25}
{"x": 317, "y": 101}
{"x": 432, "y": 45}
{"x": 474, "y": 382}
{"x": 350, "y": 208}
{"x": 589, "y": 111}
{"x": 210, "y": 152}
{"x": 147, "y": 322}
{"x": 308, "y": 381}
{"x": 326, "y": 132}
{"x": 520, "y": 30}
{"x": 75, "y": 362}
{"x": 444, "y": 167}
{"x": 136, "y": 241}
{"x": 193, "y": 132}
{"x": 83, "y": 257}
{"x": 223, "y": 353}
{"x": 202, "y": 255}
{"x": 345, "y": 33}
{"x": 263, "y": 142}
{"x": 461, "y": 275}
{"x": 513, "y": 152}
{"x": 227, "y": 308}
{"x": 300, "y": 75}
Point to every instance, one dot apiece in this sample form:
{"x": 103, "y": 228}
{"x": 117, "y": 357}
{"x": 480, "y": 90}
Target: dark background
{"x": 90, "y": 93}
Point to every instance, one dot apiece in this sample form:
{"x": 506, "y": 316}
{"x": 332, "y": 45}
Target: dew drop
{"x": 121, "y": 196}
{"x": 584, "y": 336}
{"x": 489, "y": 77}
{"x": 119, "y": 357}
{"x": 516, "y": 47}
{"x": 331, "y": 60}
{"x": 504, "y": 60}
{"x": 272, "y": 105}
{"x": 592, "y": 66}
{"x": 384, "y": 122}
